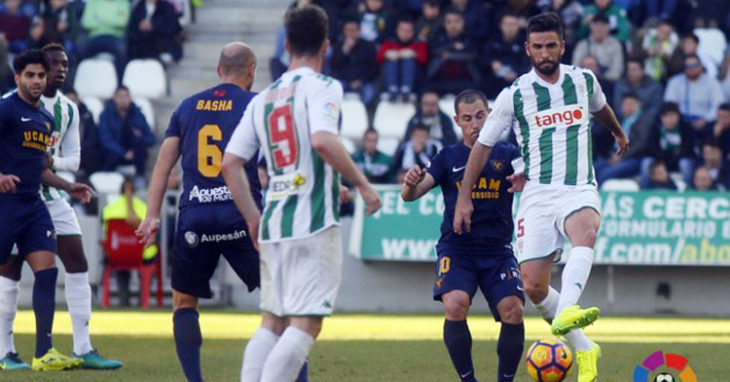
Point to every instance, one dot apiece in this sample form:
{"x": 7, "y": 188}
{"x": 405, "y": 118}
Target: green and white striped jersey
{"x": 552, "y": 124}
{"x": 302, "y": 196}
{"x": 65, "y": 144}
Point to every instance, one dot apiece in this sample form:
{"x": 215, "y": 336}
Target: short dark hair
{"x": 53, "y": 47}
{"x": 712, "y": 142}
{"x": 469, "y": 96}
{"x": 656, "y": 163}
{"x": 420, "y": 126}
{"x": 30, "y": 57}
{"x": 545, "y": 22}
{"x": 406, "y": 19}
{"x": 600, "y": 18}
{"x": 306, "y": 29}
{"x": 692, "y": 36}
{"x": 370, "y": 130}
{"x": 630, "y": 95}
{"x": 121, "y": 87}
{"x": 669, "y": 107}
{"x": 453, "y": 11}
{"x": 432, "y": 3}
{"x": 635, "y": 60}
{"x": 724, "y": 106}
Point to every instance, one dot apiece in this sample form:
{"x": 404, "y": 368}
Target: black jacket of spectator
{"x": 91, "y": 155}
{"x": 510, "y": 54}
{"x": 641, "y": 137}
{"x": 448, "y": 136}
{"x": 477, "y": 20}
{"x": 358, "y": 64}
{"x": 163, "y": 38}
{"x": 452, "y": 58}
{"x": 649, "y": 92}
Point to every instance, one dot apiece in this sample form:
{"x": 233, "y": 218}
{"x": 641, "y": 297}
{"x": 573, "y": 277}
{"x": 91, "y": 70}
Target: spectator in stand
{"x": 377, "y": 166}
{"x": 637, "y": 82}
{"x": 721, "y": 128}
{"x": 280, "y": 62}
{"x": 590, "y": 62}
{"x": 620, "y": 25}
{"x": 452, "y": 63}
{"x": 37, "y": 36}
{"x": 15, "y": 27}
{"x": 718, "y": 166}
{"x": 658, "y": 177}
{"x": 353, "y": 63}
{"x": 124, "y": 134}
{"x": 154, "y": 32}
{"x": 504, "y": 58}
{"x": 61, "y": 24}
{"x": 430, "y": 21}
{"x": 660, "y": 9}
{"x": 697, "y": 94}
{"x": 401, "y": 58}
{"x": 7, "y": 80}
{"x": 606, "y": 49}
{"x": 430, "y": 115}
{"x": 477, "y": 17}
{"x": 688, "y": 46}
{"x": 657, "y": 47}
{"x": 91, "y": 155}
{"x": 702, "y": 181}
{"x": 106, "y": 21}
{"x": 571, "y": 13}
{"x": 637, "y": 125}
{"x": 673, "y": 142}
{"x": 375, "y": 21}
{"x": 418, "y": 150}
{"x": 710, "y": 14}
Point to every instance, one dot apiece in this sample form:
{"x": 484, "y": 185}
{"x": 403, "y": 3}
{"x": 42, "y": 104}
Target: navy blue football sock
{"x": 458, "y": 341}
{"x": 509, "y": 349}
{"x": 302, "y": 377}
{"x": 188, "y": 341}
{"x": 44, "y": 306}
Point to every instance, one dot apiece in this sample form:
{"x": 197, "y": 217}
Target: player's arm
{"x": 498, "y": 120}
{"x": 7, "y": 183}
{"x": 70, "y": 146}
{"x": 416, "y": 183}
{"x": 79, "y": 191}
{"x": 169, "y": 154}
{"x": 605, "y": 115}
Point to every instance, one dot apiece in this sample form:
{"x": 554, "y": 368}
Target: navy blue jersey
{"x": 25, "y": 134}
{"x": 491, "y": 222}
{"x": 205, "y": 123}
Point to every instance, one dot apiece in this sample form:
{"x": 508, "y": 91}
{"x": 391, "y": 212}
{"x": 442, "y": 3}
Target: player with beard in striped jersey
{"x": 549, "y": 109}
{"x": 65, "y": 155}
{"x": 295, "y": 123}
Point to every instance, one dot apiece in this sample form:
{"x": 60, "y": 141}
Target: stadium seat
{"x": 349, "y": 145}
{"x": 446, "y": 105}
{"x": 124, "y": 253}
{"x": 107, "y": 182}
{"x": 712, "y": 43}
{"x": 391, "y": 118}
{"x": 388, "y": 145}
{"x": 354, "y": 118}
{"x": 96, "y": 78}
{"x": 620, "y": 185}
{"x": 95, "y": 106}
{"x": 145, "y": 78}
{"x": 147, "y": 110}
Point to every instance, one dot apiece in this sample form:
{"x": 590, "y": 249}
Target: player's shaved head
{"x": 235, "y": 59}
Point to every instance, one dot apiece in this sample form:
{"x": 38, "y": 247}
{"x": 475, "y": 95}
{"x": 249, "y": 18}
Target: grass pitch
{"x": 367, "y": 347}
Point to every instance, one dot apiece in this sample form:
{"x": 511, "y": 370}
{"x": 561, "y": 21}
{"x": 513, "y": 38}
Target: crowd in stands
{"x": 663, "y": 65}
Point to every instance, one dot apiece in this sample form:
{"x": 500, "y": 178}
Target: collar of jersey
{"x": 539, "y": 79}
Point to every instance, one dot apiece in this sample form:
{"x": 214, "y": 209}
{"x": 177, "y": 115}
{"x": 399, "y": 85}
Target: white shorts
{"x": 540, "y": 222}
{"x": 63, "y": 217}
{"x": 301, "y": 277}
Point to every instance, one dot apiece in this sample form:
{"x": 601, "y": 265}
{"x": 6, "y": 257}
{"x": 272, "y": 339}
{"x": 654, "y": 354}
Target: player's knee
{"x": 11, "y": 269}
{"x": 76, "y": 265}
{"x": 182, "y": 300}
{"x": 510, "y": 310}
{"x": 310, "y": 325}
{"x": 456, "y": 306}
{"x": 535, "y": 290}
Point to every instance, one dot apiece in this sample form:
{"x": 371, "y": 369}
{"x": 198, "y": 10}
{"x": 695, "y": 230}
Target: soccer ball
{"x": 548, "y": 361}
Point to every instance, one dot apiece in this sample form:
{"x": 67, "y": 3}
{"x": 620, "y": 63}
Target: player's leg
{"x": 260, "y": 345}
{"x": 455, "y": 286}
{"x": 186, "y": 329}
{"x": 78, "y": 297}
{"x": 286, "y": 359}
{"x": 9, "y": 280}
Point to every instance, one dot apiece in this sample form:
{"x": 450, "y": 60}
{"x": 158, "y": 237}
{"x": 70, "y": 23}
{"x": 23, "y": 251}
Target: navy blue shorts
{"x": 204, "y": 233}
{"x": 25, "y": 221}
{"x": 495, "y": 272}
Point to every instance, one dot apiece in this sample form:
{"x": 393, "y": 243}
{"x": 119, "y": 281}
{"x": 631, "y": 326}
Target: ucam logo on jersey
{"x": 558, "y": 117}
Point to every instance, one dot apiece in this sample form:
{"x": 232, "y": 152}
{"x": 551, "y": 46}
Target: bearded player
{"x": 549, "y": 108}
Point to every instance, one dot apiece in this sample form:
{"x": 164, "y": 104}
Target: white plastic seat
{"x": 145, "y": 78}
{"x": 96, "y": 78}
{"x": 391, "y": 119}
{"x": 354, "y": 118}
{"x": 95, "y": 106}
{"x": 712, "y": 43}
{"x": 147, "y": 110}
{"x": 107, "y": 182}
{"x": 620, "y": 185}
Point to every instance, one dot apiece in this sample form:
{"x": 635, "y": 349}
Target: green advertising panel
{"x": 637, "y": 228}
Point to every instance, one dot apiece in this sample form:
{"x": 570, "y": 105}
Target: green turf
{"x": 144, "y": 343}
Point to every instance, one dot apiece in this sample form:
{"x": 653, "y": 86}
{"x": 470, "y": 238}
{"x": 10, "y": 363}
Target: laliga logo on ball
{"x": 677, "y": 363}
